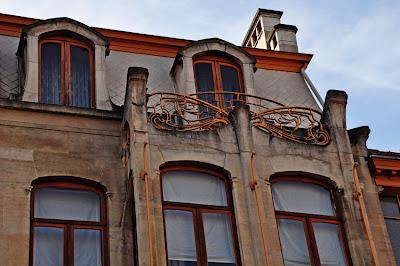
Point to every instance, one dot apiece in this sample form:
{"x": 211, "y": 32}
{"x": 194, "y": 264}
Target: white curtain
{"x": 302, "y": 197}
{"x": 330, "y": 249}
{"x": 194, "y": 187}
{"x": 87, "y": 247}
{"x": 218, "y": 233}
{"x": 67, "y": 204}
{"x": 181, "y": 243}
{"x": 293, "y": 242}
{"x": 48, "y": 246}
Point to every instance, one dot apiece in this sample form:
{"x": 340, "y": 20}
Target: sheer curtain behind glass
{"x": 50, "y": 73}
{"x": 196, "y": 209}
{"x": 330, "y": 249}
{"x": 293, "y": 242}
{"x": 181, "y": 243}
{"x": 230, "y": 83}
{"x": 297, "y": 204}
{"x": 391, "y": 212}
{"x": 48, "y": 246}
{"x": 302, "y": 197}
{"x": 218, "y": 234}
{"x": 67, "y": 204}
{"x": 60, "y": 213}
{"x": 194, "y": 187}
{"x": 205, "y": 81}
{"x": 80, "y": 76}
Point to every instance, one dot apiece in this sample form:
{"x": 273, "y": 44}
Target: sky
{"x": 355, "y": 43}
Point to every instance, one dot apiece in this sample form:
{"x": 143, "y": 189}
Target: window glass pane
{"x": 67, "y": 204}
{"x": 181, "y": 245}
{"x": 205, "y": 83}
{"x": 80, "y": 77}
{"x": 302, "y": 197}
{"x": 330, "y": 248}
{"x": 390, "y": 206}
{"x": 50, "y": 70}
{"x": 218, "y": 234}
{"x": 87, "y": 247}
{"x": 230, "y": 83}
{"x": 293, "y": 242}
{"x": 48, "y": 246}
{"x": 393, "y": 227}
{"x": 194, "y": 187}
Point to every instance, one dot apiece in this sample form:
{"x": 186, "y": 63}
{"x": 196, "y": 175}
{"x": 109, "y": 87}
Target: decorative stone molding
{"x": 28, "y": 53}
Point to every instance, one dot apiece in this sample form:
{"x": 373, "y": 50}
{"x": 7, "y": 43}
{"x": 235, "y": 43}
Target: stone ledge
{"x": 59, "y": 109}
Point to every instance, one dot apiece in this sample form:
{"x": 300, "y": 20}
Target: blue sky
{"x": 356, "y": 44}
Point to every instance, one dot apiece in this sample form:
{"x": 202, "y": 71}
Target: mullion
{"x": 313, "y": 243}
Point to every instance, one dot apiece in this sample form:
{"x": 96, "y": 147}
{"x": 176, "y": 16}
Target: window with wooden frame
{"x": 198, "y": 217}
{"x": 218, "y": 81}
{"x": 390, "y": 203}
{"x": 66, "y": 72}
{"x": 310, "y": 229}
{"x": 68, "y": 225}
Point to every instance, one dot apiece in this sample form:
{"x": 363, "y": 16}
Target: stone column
{"x": 335, "y": 116}
{"x": 135, "y": 115}
{"x": 358, "y": 138}
{"x": 242, "y": 126}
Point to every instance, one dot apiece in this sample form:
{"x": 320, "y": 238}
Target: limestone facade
{"x": 115, "y": 145}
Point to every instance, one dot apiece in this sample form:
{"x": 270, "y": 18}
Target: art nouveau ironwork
{"x": 207, "y": 110}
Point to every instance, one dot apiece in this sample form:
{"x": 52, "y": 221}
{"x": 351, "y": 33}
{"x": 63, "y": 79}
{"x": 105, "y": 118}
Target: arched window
{"x": 218, "y": 81}
{"x": 390, "y": 203}
{"x": 68, "y": 225}
{"x": 310, "y": 230}
{"x": 66, "y": 72}
{"x": 198, "y": 217}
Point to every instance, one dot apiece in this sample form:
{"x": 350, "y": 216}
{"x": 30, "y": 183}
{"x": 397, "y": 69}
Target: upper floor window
{"x": 310, "y": 230}
{"x": 218, "y": 81}
{"x": 68, "y": 225}
{"x": 390, "y": 203}
{"x": 66, "y": 72}
{"x": 198, "y": 216}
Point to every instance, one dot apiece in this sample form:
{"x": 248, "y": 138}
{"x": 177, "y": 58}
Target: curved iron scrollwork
{"x": 178, "y": 112}
{"x": 207, "y": 110}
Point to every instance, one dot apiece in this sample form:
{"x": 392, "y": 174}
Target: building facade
{"x": 120, "y": 148}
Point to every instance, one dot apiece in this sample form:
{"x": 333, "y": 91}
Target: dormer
{"x": 213, "y": 65}
{"x": 62, "y": 62}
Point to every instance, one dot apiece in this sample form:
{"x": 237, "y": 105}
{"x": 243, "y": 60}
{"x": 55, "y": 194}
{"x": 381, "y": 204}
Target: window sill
{"x": 59, "y": 109}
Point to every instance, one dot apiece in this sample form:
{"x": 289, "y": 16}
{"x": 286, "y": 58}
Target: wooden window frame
{"x": 69, "y": 225}
{"x": 66, "y": 86}
{"x": 309, "y": 219}
{"x": 198, "y": 209}
{"x": 216, "y": 63}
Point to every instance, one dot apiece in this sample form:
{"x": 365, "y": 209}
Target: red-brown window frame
{"x": 66, "y": 86}
{"x": 309, "y": 219}
{"x": 69, "y": 225}
{"x": 198, "y": 209}
{"x": 216, "y": 62}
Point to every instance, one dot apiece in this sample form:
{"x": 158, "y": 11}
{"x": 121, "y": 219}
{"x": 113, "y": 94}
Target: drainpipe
{"x": 312, "y": 88}
{"x": 359, "y": 197}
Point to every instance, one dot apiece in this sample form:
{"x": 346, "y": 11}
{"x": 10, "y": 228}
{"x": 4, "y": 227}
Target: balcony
{"x": 207, "y": 110}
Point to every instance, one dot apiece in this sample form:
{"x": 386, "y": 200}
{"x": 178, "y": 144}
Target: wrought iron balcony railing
{"x": 208, "y": 110}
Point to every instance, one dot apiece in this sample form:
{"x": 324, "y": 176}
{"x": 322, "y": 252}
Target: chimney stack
{"x": 267, "y": 32}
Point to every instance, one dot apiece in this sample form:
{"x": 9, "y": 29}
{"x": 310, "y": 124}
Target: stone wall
{"x": 41, "y": 141}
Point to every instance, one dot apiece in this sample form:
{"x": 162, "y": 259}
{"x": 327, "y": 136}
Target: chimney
{"x": 267, "y": 32}
{"x": 283, "y": 38}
